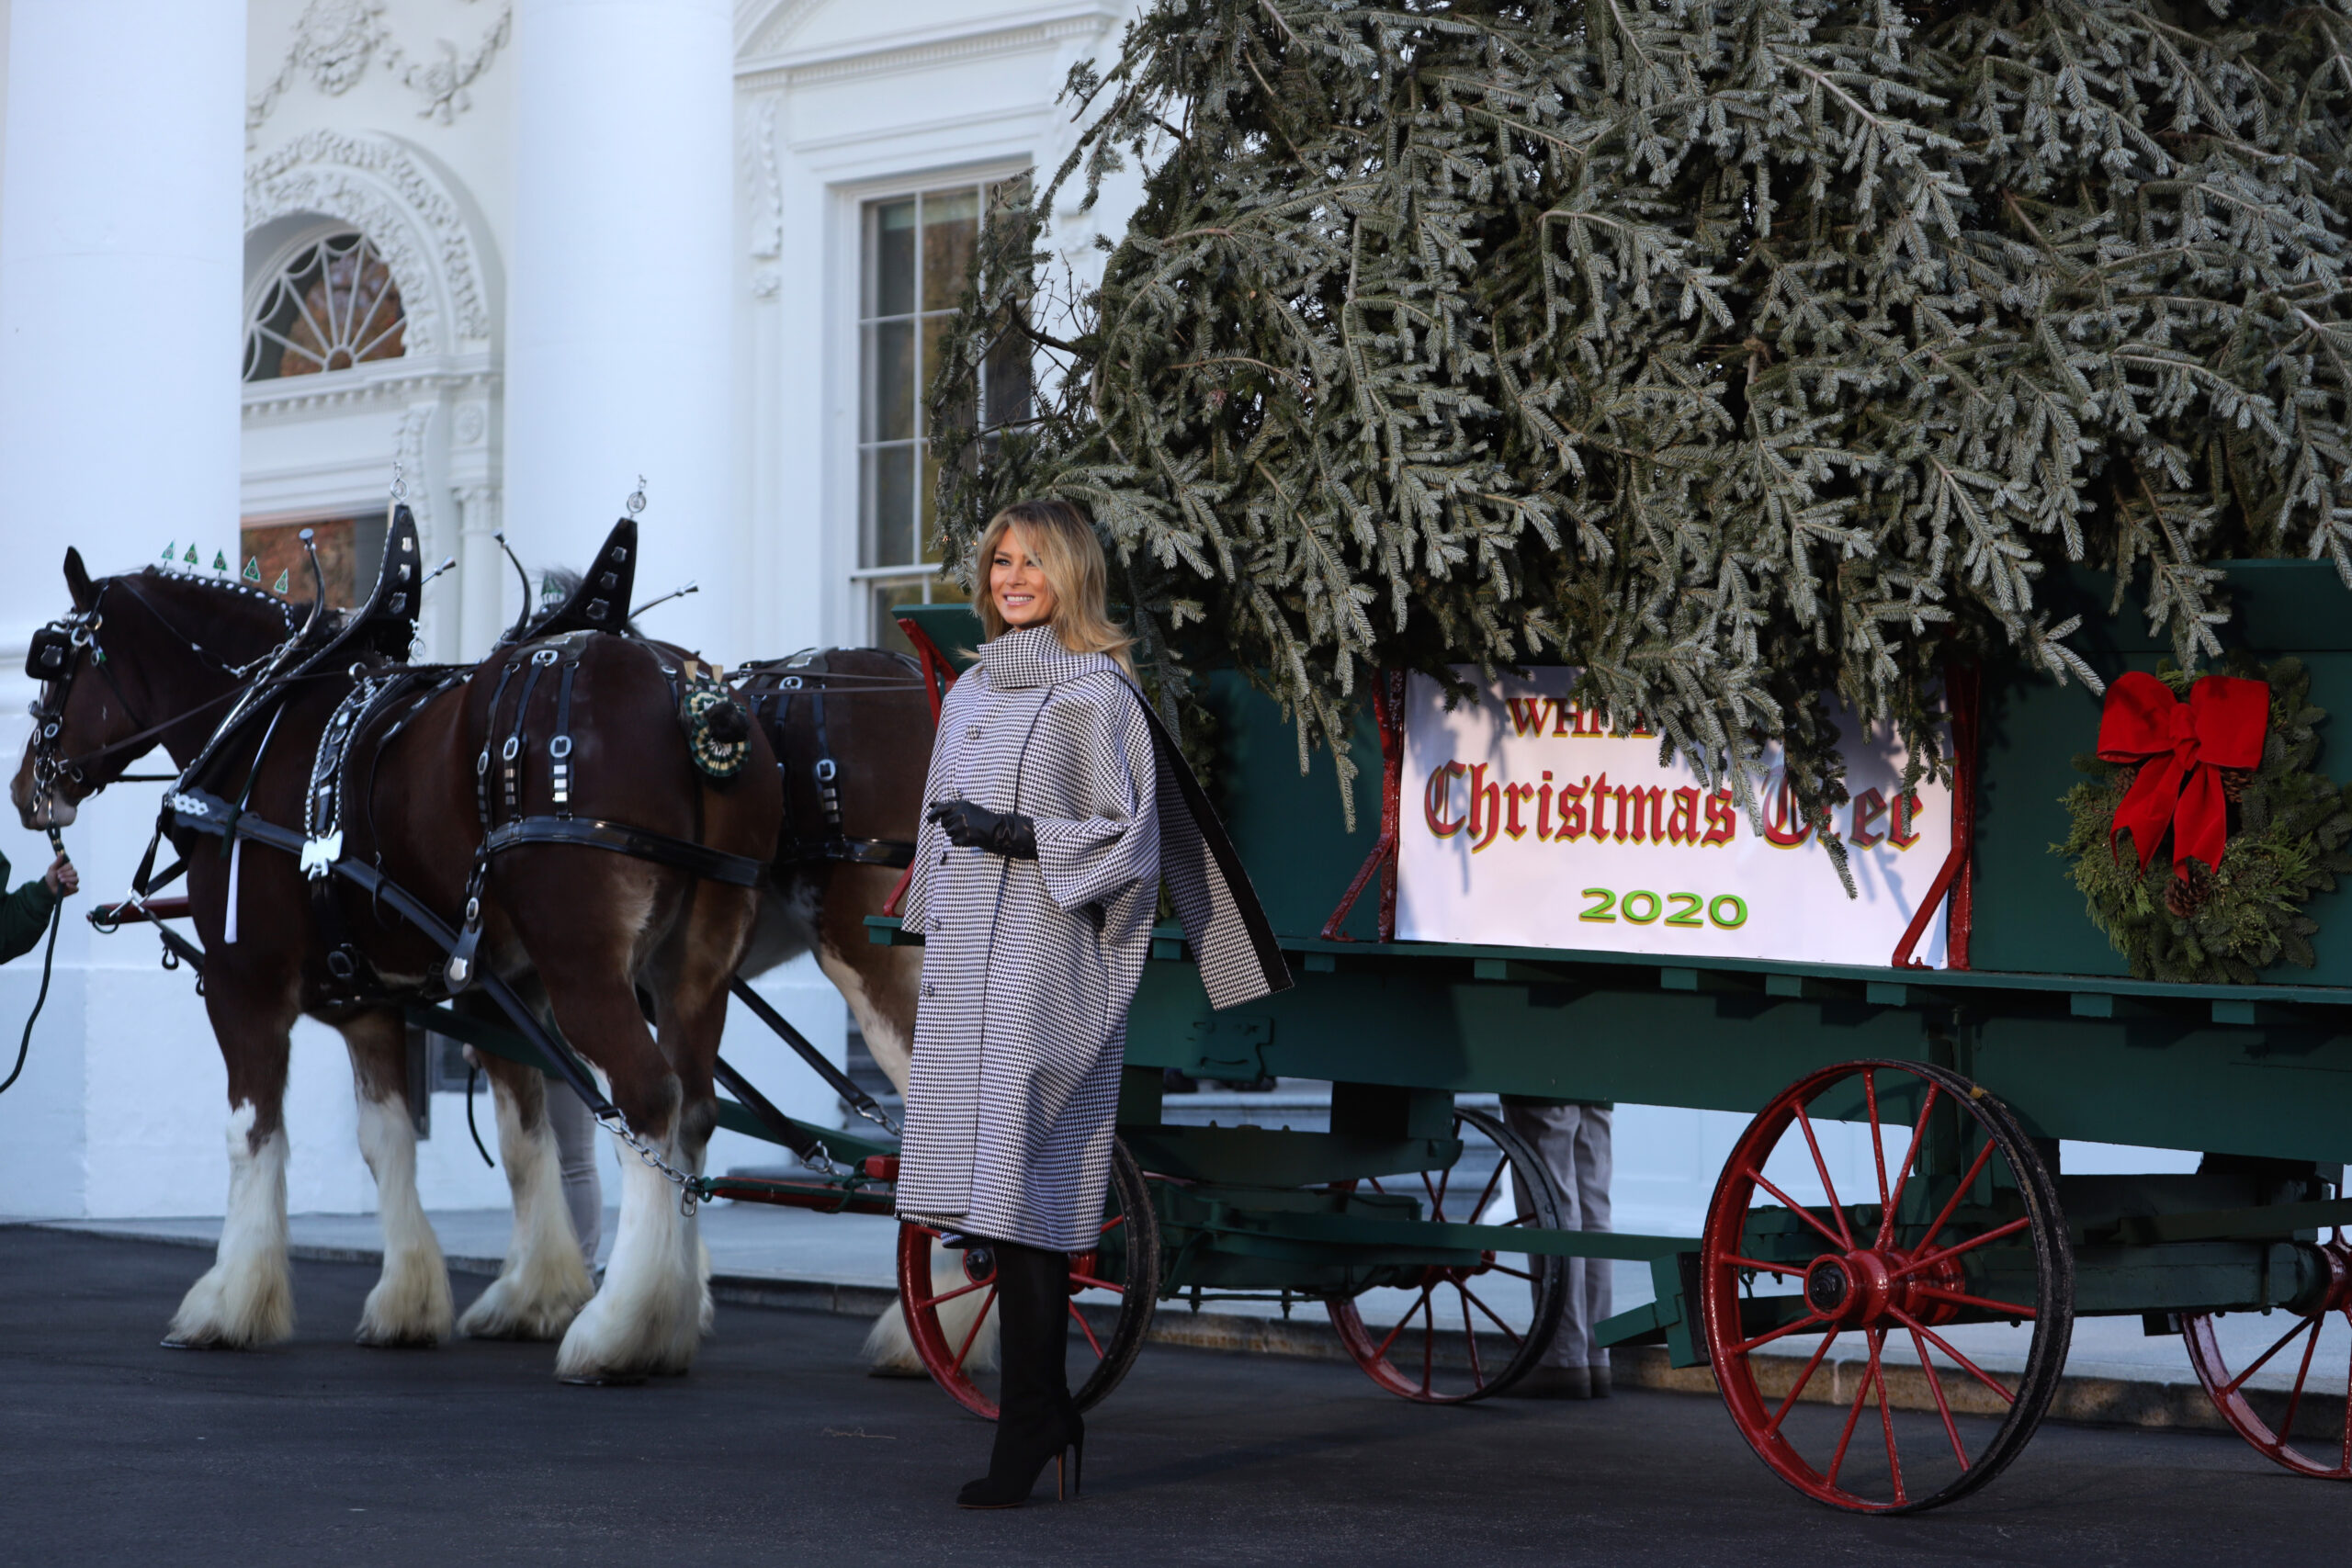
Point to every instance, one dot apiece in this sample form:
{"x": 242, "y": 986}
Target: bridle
{"x": 55, "y": 657}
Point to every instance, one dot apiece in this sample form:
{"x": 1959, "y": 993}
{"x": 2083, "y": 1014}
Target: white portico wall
{"x": 119, "y": 273}
{"x": 618, "y": 343}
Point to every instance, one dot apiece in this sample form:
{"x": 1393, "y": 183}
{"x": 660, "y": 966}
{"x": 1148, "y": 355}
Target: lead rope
{"x": 48, "y": 962}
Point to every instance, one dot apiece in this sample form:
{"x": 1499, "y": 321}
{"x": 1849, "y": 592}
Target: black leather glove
{"x": 1007, "y": 833}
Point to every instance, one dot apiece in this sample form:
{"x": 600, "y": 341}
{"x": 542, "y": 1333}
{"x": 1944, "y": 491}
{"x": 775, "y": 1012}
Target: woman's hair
{"x": 1066, "y": 547}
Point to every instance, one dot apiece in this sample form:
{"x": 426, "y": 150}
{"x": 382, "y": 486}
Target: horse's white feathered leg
{"x": 647, "y": 1318}
{"x": 889, "y": 1350}
{"x": 410, "y": 1304}
{"x": 246, "y": 1298}
{"x": 544, "y": 1281}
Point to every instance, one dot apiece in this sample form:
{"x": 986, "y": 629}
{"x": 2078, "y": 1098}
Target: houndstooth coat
{"x": 1029, "y": 966}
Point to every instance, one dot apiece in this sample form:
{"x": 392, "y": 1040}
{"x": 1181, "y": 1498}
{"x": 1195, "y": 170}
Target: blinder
{"x": 50, "y": 655}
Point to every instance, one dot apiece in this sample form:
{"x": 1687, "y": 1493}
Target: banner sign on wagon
{"x": 1525, "y": 824}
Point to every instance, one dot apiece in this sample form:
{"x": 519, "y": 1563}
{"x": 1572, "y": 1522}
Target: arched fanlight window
{"x": 332, "y": 306}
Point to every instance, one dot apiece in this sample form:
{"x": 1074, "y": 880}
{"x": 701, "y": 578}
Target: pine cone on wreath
{"x": 2192, "y": 886}
{"x": 2235, "y": 782}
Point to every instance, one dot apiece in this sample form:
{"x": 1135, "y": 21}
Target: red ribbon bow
{"x": 2178, "y": 746}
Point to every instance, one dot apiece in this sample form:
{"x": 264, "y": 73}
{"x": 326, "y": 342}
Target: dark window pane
{"x": 890, "y": 279}
{"x": 890, "y": 385}
{"x": 890, "y": 507}
{"x": 951, "y": 228}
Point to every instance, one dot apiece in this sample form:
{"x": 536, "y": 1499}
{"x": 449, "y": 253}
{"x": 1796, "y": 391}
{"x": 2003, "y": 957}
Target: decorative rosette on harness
{"x": 719, "y": 732}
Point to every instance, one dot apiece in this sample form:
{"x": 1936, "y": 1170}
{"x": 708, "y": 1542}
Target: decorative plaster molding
{"x": 767, "y": 177}
{"x": 380, "y": 381}
{"x": 767, "y": 36}
{"x": 378, "y": 185}
{"x": 336, "y": 41}
{"x": 761, "y": 67}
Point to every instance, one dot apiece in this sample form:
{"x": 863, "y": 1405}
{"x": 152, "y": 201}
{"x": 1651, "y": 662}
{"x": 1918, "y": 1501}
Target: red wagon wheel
{"x": 1121, "y": 1270}
{"x": 1957, "y": 1220}
{"x": 1433, "y": 1356}
{"x": 2286, "y": 1427}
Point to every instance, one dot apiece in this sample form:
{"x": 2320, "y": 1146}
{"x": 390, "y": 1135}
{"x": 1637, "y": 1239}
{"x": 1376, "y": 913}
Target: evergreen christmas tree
{"x": 1740, "y": 352}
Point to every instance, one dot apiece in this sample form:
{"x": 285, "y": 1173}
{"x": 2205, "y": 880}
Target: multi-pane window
{"x": 332, "y": 306}
{"x": 917, "y": 253}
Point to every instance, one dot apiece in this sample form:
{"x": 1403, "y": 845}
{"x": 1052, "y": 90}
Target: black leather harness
{"x": 770, "y": 690}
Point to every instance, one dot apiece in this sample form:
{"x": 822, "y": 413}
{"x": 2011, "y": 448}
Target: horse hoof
{"x": 604, "y": 1380}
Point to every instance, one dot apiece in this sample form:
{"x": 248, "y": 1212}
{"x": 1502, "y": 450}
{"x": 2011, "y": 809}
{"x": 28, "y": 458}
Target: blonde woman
{"x": 1057, "y": 806}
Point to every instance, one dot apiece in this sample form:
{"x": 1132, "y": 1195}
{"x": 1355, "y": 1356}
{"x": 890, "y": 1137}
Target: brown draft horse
{"x": 863, "y": 715}
{"x": 579, "y": 930}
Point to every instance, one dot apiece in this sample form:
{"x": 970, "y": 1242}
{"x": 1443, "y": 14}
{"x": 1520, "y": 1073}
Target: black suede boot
{"x": 1037, "y": 1419}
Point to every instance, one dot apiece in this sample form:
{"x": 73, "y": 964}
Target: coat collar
{"x": 1033, "y": 656}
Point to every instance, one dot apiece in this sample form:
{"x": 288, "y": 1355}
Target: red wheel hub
{"x": 1879, "y": 1288}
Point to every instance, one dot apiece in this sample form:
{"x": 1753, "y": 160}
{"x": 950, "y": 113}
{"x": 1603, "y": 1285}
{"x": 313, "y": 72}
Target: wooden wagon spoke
{"x": 1838, "y": 1460}
{"x": 1804, "y": 1377}
{"x": 2295, "y": 1400}
{"x": 1845, "y": 1236}
{"x": 959, "y": 1291}
{"x": 1487, "y": 1196}
{"x": 1903, "y": 1177}
{"x": 977, "y": 1318}
{"x": 1941, "y": 1343}
{"x": 1957, "y": 1194}
{"x": 1843, "y": 1243}
{"x": 1470, "y": 1298}
{"x": 1381, "y": 1349}
{"x": 1943, "y": 1408}
{"x": 1805, "y": 1322}
{"x": 1970, "y": 1245}
{"x": 1886, "y": 1413}
{"x": 1470, "y": 1338}
{"x": 1778, "y": 1270}
{"x": 2239, "y": 1381}
{"x": 1087, "y": 1329}
{"x": 1090, "y": 1283}
{"x": 1878, "y": 1145}
{"x": 1962, "y": 1298}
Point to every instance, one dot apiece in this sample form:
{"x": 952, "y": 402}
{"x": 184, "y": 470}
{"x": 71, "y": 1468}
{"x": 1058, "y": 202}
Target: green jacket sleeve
{"x": 24, "y": 915}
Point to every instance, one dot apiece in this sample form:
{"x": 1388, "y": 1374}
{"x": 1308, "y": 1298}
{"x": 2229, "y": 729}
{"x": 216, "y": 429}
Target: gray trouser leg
{"x": 575, "y": 1147}
{"x": 1573, "y": 1143}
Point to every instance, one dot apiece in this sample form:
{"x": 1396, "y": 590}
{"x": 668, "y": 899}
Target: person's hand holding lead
{"x": 62, "y": 879}
{"x": 1007, "y": 833}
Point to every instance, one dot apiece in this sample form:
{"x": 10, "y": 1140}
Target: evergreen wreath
{"x": 2289, "y": 826}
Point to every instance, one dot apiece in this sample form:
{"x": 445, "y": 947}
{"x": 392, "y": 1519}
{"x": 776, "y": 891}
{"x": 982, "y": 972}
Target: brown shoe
{"x": 1551, "y": 1382}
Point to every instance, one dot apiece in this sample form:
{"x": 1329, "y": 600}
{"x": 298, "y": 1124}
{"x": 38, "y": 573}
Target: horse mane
{"x": 243, "y": 597}
{"x": 557, "y": 586}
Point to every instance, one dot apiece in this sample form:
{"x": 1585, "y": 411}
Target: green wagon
{"x": 1953, "y": 1087}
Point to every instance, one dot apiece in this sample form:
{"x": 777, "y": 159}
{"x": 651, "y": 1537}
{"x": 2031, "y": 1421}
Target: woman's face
{"x": 1018, "y": 583}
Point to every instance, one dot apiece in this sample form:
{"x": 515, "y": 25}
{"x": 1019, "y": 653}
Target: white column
{"x": 121, "y": 272}
{"x": 619, "y": 326}
{"x": 121, "y": 262}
